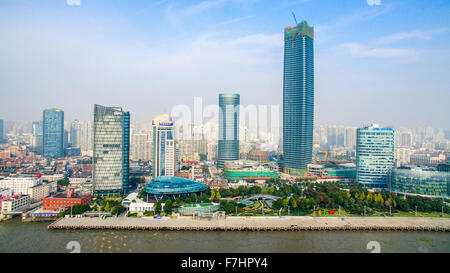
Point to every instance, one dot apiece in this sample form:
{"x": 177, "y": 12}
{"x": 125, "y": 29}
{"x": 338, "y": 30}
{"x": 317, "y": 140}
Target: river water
{"x": 16, "y": 236}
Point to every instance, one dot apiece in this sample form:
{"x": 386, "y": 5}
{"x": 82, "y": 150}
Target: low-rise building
{"x": 19, "y": 185}
{"x": 426, "y": 182}
{"x": 38, "y": 192}
{"x": 63, "y": 201}
{"x": 15, "y": 203}
{"x": 5, "y": 193}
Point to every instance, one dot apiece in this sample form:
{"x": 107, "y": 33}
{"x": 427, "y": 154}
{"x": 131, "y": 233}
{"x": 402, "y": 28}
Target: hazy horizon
{"x": 385, "y": 64}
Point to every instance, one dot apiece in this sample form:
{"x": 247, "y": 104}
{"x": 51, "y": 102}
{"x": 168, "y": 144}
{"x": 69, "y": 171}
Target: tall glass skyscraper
{"x": 374, "y": 156}
{"x": 298, "y": 97}
{"x": 164, "y": 150}
{"x": 53, "y": 133}
{"x": 111, "y": 158}
{"x": 228, "y": 148}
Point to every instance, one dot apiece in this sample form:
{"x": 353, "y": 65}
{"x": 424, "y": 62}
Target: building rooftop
{"x": 302, "y": 29}
{"x": 173, "y": 185}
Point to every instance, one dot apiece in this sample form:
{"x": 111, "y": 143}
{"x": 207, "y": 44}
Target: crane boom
{"x": 295, "y": 19}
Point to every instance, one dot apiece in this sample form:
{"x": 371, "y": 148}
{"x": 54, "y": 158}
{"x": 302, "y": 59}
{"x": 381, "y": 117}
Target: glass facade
{"x": 173, "y": 186}
{"x": 53, "y": 133}
{"x": 111, "y": 156}
{"x": 228, "y": 144}
{"x": 164, "y": 152}
{"x": 298, "y": 97}
{"x": 374, "y": 156}
{"x": 420, "y": 182}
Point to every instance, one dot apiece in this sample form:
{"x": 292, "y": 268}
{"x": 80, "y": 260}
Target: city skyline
{"x": 345, "y": 66}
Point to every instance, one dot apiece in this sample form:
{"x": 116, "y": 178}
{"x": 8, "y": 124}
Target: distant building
{"x": 2, "y": 131}
{"x": 37, "y": 137}
{"x": 374, "y": 156}
{"x": 111, "y": 150}
{"x": 141, "y": 147}
{"x": 75, "y": 130}
{"x": 53, "y": 133}
{"x": 164, "y": 146}
{"x": 228, "y": 148}
{"x": 212, "y": 152}
{"x": 19, "y": 185}
{"x": 257, "y": 155}
{"x": 5, "y": 193}
{"x": 298, "y": 97}
{"x": 72, "y": 151}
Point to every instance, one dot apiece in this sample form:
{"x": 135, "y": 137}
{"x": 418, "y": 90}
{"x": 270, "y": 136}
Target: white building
{"x": 19, "y": 185}
{"x": 15, "y": 203}
{"x": 5, "y": 193}
{"x": 164, "y": 146}
{"x": 52, "y": 177}
{"x": 142, "y": 206}
{"x": 38, "y": 192}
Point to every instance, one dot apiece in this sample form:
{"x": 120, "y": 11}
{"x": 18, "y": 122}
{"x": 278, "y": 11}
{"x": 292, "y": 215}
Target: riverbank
{"x": 237, "y": 223}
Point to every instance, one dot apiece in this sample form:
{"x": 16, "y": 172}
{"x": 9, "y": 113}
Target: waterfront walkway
{"x": 236, "y": 223}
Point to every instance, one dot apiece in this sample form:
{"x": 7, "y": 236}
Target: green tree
{"x": 168, "y": 206}
{"x": 293, "y": 202}
{"x": 106, "y": 208}
{"x": 158, "y": 207}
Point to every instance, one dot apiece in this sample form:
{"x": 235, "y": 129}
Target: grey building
{"x": 228, "y": 144}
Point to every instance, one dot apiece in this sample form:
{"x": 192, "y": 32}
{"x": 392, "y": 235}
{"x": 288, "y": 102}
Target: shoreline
{"x": 256, "y": 223}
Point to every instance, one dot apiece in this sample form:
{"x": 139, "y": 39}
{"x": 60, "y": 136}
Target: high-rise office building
{"x": 75, "y": 130}
{"x": 53, "y": 133}
{"x": 164, "y": 146}
{"x": 37, "y": 138}
{"x": 374, "y": 156}
{"x": 298, "y": 97}
{"x": 228, "y": 142}
{"x": 111, "y": 156}
{"x": 141, "y": 146}
{"x": 86, "y": 135}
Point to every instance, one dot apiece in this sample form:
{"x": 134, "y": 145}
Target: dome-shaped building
{"x": 171, "y": 186}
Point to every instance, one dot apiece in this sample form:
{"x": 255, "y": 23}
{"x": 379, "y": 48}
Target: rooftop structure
{"x": 165, "y": 186}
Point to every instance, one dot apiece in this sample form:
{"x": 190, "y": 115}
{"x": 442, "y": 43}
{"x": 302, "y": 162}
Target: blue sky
{"x": 386, "y": 63}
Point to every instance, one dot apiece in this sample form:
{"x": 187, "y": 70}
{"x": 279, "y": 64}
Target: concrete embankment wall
{"x": 256, "y": 224}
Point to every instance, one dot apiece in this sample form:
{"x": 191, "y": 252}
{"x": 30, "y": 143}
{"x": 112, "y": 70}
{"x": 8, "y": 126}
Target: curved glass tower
{"x": 298, "y": 97}
{"x": 228, "y": 149}
{"x": 374, "y": 156}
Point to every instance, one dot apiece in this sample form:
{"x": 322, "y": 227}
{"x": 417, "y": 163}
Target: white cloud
{"x": 413, "y": 34}
{"x": 360, "y": 50}
{"x": 73, "y": 2}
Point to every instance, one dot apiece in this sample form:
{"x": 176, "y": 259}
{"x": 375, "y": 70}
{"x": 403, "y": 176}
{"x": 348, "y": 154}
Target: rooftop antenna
{"x": 295, "y": 19}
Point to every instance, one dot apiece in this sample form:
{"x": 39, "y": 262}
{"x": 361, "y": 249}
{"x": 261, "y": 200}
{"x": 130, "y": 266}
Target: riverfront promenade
{"x": 238, "y": 223}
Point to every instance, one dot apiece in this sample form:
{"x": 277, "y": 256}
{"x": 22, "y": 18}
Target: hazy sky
{"x": 387, "y": 63}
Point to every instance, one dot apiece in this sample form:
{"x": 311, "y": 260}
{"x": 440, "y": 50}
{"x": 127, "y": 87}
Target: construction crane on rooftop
{"x": 295, "y": 19}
